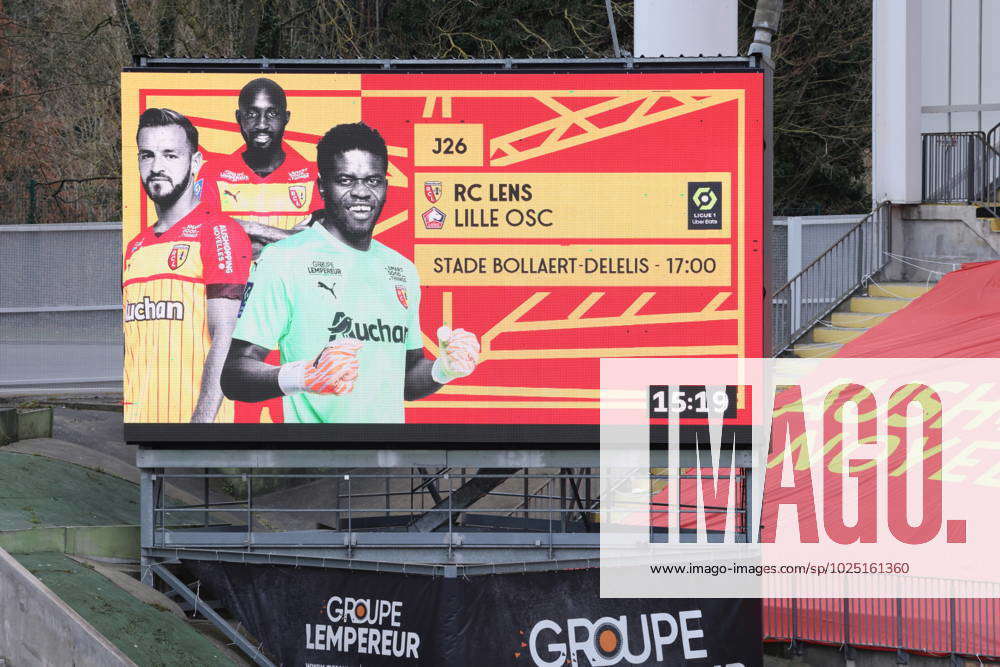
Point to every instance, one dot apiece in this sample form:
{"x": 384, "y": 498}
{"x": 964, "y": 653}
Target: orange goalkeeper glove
{"x": 458, "y": 355}
{"x": 334, "y": 370}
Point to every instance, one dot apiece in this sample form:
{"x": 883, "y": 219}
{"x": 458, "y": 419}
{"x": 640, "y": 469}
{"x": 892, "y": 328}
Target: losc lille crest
{"x": 297, "y": 194}
{"x": 178, "y": 254}
{"x": 433, "y": 218}
{"x": 401, "y": 295}
{"x": 432, "y": 190}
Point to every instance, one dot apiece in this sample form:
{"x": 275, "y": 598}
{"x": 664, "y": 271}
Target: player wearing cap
{"x": 266, "y": 185}
{"x": 182, "y": 282}
{"x": 342, "y": 308}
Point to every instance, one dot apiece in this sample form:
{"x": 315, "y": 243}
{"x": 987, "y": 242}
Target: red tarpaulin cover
{"x": 960, "y": 317}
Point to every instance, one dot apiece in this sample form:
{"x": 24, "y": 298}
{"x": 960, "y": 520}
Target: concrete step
{"x": 815, "y": 350}
{"x": 856, "y": 320}
{"x": 899, "y": 290}
{"x": 835, "y": 334}
{"x": 871, "y": 304}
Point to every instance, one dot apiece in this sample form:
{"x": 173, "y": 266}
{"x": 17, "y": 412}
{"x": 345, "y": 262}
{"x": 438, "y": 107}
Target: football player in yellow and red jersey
{"x": 266, "y": 185}
{"x": 183, "y": 279}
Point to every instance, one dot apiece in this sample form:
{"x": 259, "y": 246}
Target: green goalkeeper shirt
{"x": 310, "y": 289}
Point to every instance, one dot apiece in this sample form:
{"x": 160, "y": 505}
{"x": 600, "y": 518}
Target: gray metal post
{"x": 563, "y": 514}
{"x": 953, "y": 644}
{"x": 861, "y": 252}
{"x": 205, "y": 518}
{"x": 249, "y": 480}
{"x": 748, "y": 505}
{"x": 848, "y": 649}
{"x": 524, "y": 502}
{"x": 614, "y": 31}
{"x": 766, "y": 18}
{"x": 970, "y": 168}
{"x": 902, "y": 657}
{"x": 794, "y": 648}
{"x": 32, "y": 201}
{"x": 146, "y": 518}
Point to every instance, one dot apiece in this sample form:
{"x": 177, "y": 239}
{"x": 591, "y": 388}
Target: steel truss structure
{"x": 437, "y": 512}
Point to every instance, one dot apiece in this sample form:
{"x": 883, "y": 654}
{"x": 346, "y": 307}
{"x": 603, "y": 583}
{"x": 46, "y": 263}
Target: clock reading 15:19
{"x": 691, "y": 401}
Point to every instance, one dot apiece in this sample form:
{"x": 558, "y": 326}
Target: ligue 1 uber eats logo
{"x": 621, "y": 640}
{"x": 705, "y": 205}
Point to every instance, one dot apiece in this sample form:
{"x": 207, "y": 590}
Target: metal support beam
{"x": 431, "y": 483}
{"x": 202, "y": 607}
{"x": 748, "y": 527}
{"x": 150, "y": 457}
{"x": 464, "y": 496}
{"x": 575, "y": 486}
{"x": 147, "y": 517}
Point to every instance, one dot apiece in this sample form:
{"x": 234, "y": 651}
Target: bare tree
{"x": 61, "y": 59}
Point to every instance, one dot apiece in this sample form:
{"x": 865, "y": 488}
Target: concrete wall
{"x": 37, "y": 628}
{"x": 932, "y": 239}
{"x": 117, "y": 544}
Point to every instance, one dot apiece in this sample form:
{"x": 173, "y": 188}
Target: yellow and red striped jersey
{"x": 167, "y": 280}
{"x": 281, "y": 199}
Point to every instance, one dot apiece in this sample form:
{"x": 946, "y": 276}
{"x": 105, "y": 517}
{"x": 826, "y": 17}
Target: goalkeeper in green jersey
{"x": 343, "y": 309}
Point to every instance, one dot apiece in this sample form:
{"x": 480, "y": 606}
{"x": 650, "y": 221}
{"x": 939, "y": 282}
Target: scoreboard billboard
{"x": 449, "y": 264}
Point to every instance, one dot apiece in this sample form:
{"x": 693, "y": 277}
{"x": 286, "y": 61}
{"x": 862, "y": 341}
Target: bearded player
{"x": 266, "y": 185}
{"x": 343, "y": 309}
{"x": 182, "y": 281}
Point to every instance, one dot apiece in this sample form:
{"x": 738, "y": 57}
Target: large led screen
{"x": 420, "y": 256}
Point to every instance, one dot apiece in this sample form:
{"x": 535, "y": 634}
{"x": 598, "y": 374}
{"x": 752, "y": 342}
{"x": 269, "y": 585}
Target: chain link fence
{"x": 95, "y": 199}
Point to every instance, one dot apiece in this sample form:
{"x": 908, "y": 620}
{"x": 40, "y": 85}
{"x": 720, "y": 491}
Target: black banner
{"x": 322, "y": 616}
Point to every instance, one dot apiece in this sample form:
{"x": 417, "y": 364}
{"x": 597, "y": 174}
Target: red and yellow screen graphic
{"x": 561, "y": 218}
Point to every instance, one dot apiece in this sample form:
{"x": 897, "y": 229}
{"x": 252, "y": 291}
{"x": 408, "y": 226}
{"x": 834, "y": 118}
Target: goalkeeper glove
{"x": 334, "y": 370}
{"x": 457, "y": 357}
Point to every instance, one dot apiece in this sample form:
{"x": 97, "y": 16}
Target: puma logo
{"x": 234, "y": 195}
{"x": 328, "y": 289}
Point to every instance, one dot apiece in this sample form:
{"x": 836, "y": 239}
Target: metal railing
{"x": 831, "y": 278}
{"x": 958, "y": 618}
{"x": 498, "y": 518}
{"x": 960, "y": 167}
{"x": 993, "y": 137}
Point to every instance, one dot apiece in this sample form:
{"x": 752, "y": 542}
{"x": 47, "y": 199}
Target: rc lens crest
{"x": 432, "y": 190}
{"x": 178, "y": 254}
{"x": 297, "y": 195}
